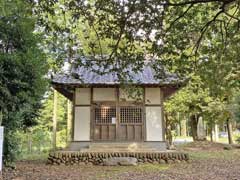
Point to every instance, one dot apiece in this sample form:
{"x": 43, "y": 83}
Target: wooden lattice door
{"x": 122, "y": 123}
{"x": 104, "y": 122}
{"x": 131, "y": 124}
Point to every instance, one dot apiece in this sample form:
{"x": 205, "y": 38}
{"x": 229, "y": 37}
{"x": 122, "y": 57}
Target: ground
{"x": 208, "y": 161}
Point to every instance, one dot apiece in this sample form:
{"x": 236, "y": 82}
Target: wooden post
{"x": 69, "y": 120}
{"x": 118, "y": 112}
{"x": 54, "y": 136}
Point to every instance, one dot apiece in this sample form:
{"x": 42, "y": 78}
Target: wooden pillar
{"x": 54, "y": 135}
{"x": 69, "y": 120}
{"x": 162, "y": 115}
{"x": 118, "y": 112}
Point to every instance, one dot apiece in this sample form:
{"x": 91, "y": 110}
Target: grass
{"x": 211, "y": 155}
{"x": 220, "y": 139}
{"x": 113, "y": 172}
{"x": 33, "y": 156}
{"x": 206, "y": 159}
{"x": 152, "y": 167}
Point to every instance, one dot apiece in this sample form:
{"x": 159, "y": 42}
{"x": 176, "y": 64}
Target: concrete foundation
{"x": 87, "y": 146}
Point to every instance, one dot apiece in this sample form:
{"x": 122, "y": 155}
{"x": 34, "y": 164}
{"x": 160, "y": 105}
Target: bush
{"x": 11, "y": 148}
{"x": 238, "y": 140}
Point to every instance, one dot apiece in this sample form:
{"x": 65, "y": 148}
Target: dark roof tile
{"x": 85, "y": 76}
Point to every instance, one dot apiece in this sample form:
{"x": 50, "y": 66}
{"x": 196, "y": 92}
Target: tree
{"x": 45, "y": 119}
{"x": 22, "y": 70}
{"x": 191, "y": 101}
{"x": 129, "y": 29}
{"x": 236, "y": 107}
{"x": 54, "y": 136}
{"x": 190, "y": 38}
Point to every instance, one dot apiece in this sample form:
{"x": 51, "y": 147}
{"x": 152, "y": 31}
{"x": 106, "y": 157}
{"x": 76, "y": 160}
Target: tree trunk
{"x": 211, "y": 132}
{"x": 168, "y": 131}
{"x": 1, "y": 117}
{"x": 30, "y": 142}
{"x": 40, "y": 146}
{"x": 54, "y": 136}
{"x": 229, "y": 130}
{"x": 69, "y": 121}
{"x": 179, "y": 125}
{"x": 201, "y": 135}
{"x": 183, "y": 127}
{"x": 194, "y": 123}
{"x": 216, "y": 133}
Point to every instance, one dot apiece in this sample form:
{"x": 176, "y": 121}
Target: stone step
{"x": 119, "y": 145}
{"x": 119, "y": 150}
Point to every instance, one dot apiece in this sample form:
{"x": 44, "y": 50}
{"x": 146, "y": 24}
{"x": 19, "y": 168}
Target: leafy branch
{"x": 168, "y": 3}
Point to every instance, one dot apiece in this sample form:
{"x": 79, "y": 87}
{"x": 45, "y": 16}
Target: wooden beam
{"x": 69, "y": 120}
{"x": 65, "y": 92}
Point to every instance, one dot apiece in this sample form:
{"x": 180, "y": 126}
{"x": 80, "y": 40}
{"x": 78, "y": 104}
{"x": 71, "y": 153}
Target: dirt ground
{"x": 211, "y": 162}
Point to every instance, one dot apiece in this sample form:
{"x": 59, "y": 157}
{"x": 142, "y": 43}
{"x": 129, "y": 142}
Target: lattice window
{"x": 130, "y": 115}
{"x": 105, "y": 115}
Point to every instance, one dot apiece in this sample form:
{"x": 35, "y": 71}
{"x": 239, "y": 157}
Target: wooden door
{"x": 122, "y": 123}
{"x": 104, "y": 122}
{"x": 131, "y": 123}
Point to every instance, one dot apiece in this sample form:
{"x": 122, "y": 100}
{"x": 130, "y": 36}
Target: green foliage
{"x": 235, "y": 107}
{"x": 46, "y": 113}
{"x": 22, "y": 70}
{"x": 195, "y": 39}
{"x": 190, "y": 100}
{"x": 45, "y": 117}
{"x": 11, "y": 147}
{"x": 170, "y": 32}
{"x": 199, "y": 41}
{"x": 37, "y": 140}
{"x": 238, "y": 140}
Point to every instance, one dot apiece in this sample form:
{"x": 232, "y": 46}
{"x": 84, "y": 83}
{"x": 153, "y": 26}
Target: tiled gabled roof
{"x": 87, "y": 76}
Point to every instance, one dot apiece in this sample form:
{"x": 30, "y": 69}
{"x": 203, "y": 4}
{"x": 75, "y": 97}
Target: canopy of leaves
{"x": 22, "y": 70}
{"x": 199, "y": 39}
{"x": 171, "y": 32}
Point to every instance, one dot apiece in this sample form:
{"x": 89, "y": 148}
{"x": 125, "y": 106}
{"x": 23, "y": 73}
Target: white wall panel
{"x": 153, "y": 96}
{"x": 154, "y": 124}
{"x": 104, "y": 94}
{"x": 124, "y": 95}
{"x": 83, "y": 96}
{"x": 82, "y": 124}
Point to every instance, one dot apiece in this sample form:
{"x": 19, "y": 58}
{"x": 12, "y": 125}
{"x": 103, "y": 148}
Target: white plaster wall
{"x": 154, "y": 123}
{"x": 83, "y": 96}
{"x": 82, "y": 124}
{"x": 153, "y": 96}
{"x": 104, "y": 94}
{"x": 124, "y": 95}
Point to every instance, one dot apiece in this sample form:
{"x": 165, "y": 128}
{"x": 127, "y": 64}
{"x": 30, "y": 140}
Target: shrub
{"x": 238, "y": 140}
